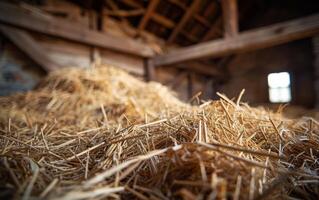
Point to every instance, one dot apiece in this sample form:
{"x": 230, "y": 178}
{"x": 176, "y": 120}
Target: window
{"x": 279, "y": 87}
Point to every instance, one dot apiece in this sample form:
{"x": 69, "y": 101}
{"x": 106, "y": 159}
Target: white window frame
{"x": 279, "y": 87}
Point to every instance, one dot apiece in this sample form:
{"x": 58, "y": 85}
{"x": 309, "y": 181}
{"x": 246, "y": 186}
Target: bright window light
{"x": 279, "y": 87}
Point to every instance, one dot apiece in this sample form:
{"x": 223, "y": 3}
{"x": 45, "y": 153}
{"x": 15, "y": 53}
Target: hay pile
{"x": 100, "y": 133}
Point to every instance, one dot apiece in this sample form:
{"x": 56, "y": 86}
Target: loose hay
{"x": 101, "y": 133}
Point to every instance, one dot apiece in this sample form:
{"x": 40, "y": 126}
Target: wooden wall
{"x": 250, "y": 71}
{"x": 17, "y": 71}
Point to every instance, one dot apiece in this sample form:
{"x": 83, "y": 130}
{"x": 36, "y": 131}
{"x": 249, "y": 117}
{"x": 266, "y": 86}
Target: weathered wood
{"x": 202, "y": 20}
{"x": 230, "y": 18}
{"x": 114, "y": 7}
{"x": 130, "y": 63}
{"x": 163, "y": 20}
{"x": 69, "y": 30}
{"x": 150, "y": 70}
{"x": 315, "y": 45}
{"x": 247, "y": 41}
{"x": 29, "y": 46}
{"x": 200, "y": 68}
{"x": 68, "y": 53}
{"x": 179, "y": 4}
{"x": 188, "y": 14}
{"x": 189, "y": 86}
{"x": 150, "y": 9}
{"x": 124, "y": 13}
{"x": 189, "y": 36}
{"x": 132, "y": 3}
{"x": 214, "y": 31}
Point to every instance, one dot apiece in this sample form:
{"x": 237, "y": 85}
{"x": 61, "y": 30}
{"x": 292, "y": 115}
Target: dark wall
{"x": 259, "y": 13}
{"x": 250, "y": 70}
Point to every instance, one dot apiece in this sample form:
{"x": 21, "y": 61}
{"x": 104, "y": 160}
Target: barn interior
{"x": 147, "y": 62}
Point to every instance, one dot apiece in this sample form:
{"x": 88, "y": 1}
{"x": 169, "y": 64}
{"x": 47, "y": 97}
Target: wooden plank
{"x": 201, "y": 68}
{"x": 150, "y": 9}
{"x": 230, "y": 18}
{"x": 189, "y": 36}
{"x": 130, "y": 63}
{"x": 150, "y": 70}
{"x": 189, "y": 85}
{"x": 177, "y": 80}
{"x": 64, "y": 52}
{"x": 214, "y": 31}
{"x": 188, "y": 14}
{"x": 29, "y": 46}
{"x": 315, "y": 49}
{"x": 163, "y": 20}
{"x": 202, "y": 20}
{"x": 124, "y": 13}
{"x": 62, "y": 28}
{"x": 68, "y": 53}
{"x": 132, "y": 3}
{"x": 247, "y": 41}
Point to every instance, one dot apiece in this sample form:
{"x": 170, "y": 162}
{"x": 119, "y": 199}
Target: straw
{"x": 101, "y": 133}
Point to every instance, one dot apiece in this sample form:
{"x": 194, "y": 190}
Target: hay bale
{"x": 97, "y": 133}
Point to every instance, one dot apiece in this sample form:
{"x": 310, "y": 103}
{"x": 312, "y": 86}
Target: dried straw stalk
{"x": 100, "y": 133}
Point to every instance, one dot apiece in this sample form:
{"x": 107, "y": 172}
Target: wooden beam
{"x": 163, "y": 20}
{"x": 188, "y": 14}
{"x": 214, "y": 31}
{"x": 189, "y": 36}
{"x": 247, "y": 41}
{"x": 150, "y": 9}
{"x": 132, "y": 3}
{"x": 230, "y": 18}
{"x": 202, "y": 20}
{"x": 124, "y": 13}
{"x": 47, "y": 24}
{"x": 29, "y": 46}
{"x": 115, "y": 8}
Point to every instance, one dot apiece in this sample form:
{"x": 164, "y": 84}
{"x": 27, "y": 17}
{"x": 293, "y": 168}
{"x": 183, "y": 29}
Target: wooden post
{"x": 189, "y": 86}
{"x": 230, "y": 17}
{"x": 315, "y": 43}
{"x": 150, "y": 71}
{"x": 208, "y": 87}
{"x": 188, "y": 14}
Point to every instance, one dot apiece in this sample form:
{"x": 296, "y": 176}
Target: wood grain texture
{"x": 246, "y": 41}
{"x": 50, "y": 25}
{"x": 230, "y": 18}
{"x": 29, "y": 46}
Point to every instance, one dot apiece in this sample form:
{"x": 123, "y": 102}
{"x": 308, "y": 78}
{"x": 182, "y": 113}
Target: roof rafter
{"x": 150, "y": 10}
{"x": 188, "y": 14}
